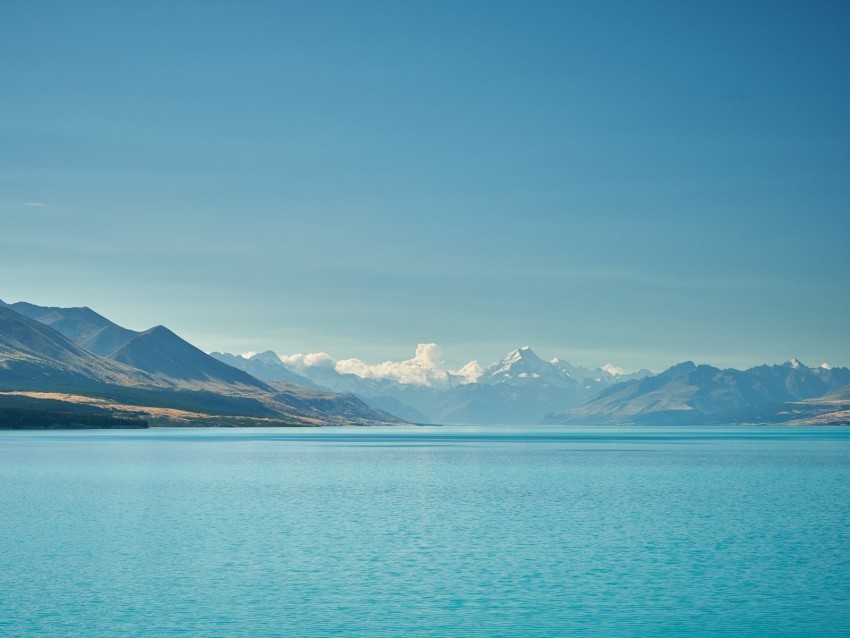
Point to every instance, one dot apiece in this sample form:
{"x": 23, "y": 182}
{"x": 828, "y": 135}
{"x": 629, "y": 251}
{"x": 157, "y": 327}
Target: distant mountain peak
{"x": 685, "y": 366}
{"x": 523, "y": 354}
{"x": 794, "y": 363}
{"x": 269, "y": 356}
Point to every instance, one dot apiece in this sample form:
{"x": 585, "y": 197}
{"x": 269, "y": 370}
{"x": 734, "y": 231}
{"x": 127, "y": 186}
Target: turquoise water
{"x": 426, "y": 532}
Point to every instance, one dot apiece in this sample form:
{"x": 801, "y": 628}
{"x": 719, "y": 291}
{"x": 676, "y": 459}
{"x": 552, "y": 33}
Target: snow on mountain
{"x": 519, "y": 388}
{"x": 523, "y": 367}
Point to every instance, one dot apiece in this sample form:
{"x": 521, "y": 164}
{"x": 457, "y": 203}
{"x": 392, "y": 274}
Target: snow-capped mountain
{"x": 520, "y": 388}
{"x": 523, "y": 367}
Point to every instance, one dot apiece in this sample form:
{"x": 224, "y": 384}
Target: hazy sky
{"x": 640, "y": 183}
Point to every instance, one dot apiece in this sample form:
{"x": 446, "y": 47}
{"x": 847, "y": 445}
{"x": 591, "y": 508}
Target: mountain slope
{"x": 688, "y": 393}
{"x": 164, "y": 355}
{"x": 799, "y": 380}
{"x": 523, "y": 367}
{"x": 83, "y": 326}
{"x": 166, "y": 358}
{"x": 520, "y": 388}
{"x": 37, "y": 358}
{"x": 265, "y": 366}
{"x": 34, "y": 355}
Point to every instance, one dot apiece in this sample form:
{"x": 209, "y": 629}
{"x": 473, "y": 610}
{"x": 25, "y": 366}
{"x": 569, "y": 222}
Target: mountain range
{"x": 44, "y": 353}
{"x": 76, "y": 356}
{"x": 692, "y": 394}
{"x": 523, "y": 388}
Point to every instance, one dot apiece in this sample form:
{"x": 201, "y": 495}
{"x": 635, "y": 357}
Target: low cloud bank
{"x": 427, "y": 367}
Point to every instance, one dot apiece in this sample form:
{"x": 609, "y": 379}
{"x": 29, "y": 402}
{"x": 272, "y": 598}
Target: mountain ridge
{"x": 43, "y": 348}
{"x": 687, "y": 392}
{"x": 34, "y": 357}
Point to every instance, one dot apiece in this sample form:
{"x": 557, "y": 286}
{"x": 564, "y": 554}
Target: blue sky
{"x": 640, "y": 183}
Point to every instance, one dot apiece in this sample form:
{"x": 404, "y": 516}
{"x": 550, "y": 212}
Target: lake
{"x": 426, "y": 531}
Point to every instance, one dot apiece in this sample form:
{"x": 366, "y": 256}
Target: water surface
{"x": 452, "y": 531}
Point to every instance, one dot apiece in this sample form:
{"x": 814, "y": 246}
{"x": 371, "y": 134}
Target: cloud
{"x": 35, "y": 204}
{"x": 425, "y": 368}
{"x": 313, "y": 360}
{"x": 610, "y": 368}
{"x": 471, "y": 372}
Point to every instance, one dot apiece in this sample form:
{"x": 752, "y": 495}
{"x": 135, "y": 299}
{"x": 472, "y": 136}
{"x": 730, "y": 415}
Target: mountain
{"x": 520, "y": 388}
{"x": 598, "y": 377}
{"x": 499, "y": 403}
{"x": 839, "y": 394}
{"x": 523, "y": 367}
{"x": 83, "y": 326}
{"x": 266, "y": 366}
{"x": 800, "y": 381}
{"x": 34, "y": 356}
{"x": 688, "y": 393}
{"x": 154, "y": 372}
{"x": 380, "y": 394}
{"x": 162, "y": 354}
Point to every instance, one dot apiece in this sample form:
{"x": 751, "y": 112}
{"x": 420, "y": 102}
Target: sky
{"x": 635, "y": 183}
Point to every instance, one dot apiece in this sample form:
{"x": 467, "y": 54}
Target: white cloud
{"x": 314, "y": 360}
{"x": 425, "y": 368}
{"x": 610, "y": 368}
{"x": 35, "y": 204}
{"x": 471, "y": 372}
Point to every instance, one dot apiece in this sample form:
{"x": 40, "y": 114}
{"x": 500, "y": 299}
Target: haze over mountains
{"x": 521, "y": 388}
{"x": 78, "y": 351}
{"x": 524, "y": 388}
{"x": 690, "y": 393}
